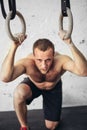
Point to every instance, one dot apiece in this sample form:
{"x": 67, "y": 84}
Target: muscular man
{"x": 44, "y": 68}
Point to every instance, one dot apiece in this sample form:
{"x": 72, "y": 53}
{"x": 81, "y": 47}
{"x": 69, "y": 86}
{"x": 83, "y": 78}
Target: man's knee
{"x": 51, "y": 125}
{"x": 21, "y": 93}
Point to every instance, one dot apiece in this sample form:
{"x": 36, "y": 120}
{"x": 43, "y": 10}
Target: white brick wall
{"x": 42, "y": 21}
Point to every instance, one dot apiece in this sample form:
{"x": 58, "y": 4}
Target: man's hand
{"x": 20, "y": 38}
{"x": 62, "y": 34}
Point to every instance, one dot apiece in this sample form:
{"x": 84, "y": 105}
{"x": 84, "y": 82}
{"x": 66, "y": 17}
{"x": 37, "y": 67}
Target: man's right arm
{"x": 9, "y": 71}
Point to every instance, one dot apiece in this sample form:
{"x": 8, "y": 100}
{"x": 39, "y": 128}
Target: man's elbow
{"x": 83, "y": 73}
{"x": 4, "y": 79}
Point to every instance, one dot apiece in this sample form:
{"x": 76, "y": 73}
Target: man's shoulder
{"x": 27, "y": 59}
{"x": 30, "y": 55}
{"x": 57, "y": 54}
{"x": 61, "y": 58}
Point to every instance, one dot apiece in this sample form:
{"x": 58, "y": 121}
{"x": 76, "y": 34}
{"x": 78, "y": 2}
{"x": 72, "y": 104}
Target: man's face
{"x": 43, "y": 59}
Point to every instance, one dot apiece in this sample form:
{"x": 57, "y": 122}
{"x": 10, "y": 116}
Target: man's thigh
{"x": 35, "y": 91}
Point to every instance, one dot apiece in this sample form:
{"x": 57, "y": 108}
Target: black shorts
{"x": 52, "y": 99}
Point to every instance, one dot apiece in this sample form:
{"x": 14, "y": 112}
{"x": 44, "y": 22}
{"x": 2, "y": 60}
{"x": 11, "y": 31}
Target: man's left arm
{"x": 79, "y": 63}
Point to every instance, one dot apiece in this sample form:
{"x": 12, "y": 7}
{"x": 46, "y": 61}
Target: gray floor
{"x": 73, "y": 118}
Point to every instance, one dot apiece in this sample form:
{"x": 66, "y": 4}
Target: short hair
{"x": 43, "y": 45}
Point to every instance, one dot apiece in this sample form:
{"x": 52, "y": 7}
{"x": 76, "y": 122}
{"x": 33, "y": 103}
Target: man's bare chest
{"x": 50, "y": 76}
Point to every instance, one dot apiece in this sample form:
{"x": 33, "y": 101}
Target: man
{"x": 44, "y": 69}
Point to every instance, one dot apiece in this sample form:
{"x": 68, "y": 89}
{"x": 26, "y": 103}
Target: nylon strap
{"x": 12, "y": 7}
{"x": 64, "y": 5}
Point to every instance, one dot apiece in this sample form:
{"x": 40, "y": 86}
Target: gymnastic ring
{"x": 23, "y": 30}
{"x": 70, "y": 23}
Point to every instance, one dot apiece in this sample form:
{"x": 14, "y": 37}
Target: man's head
{"x": 43, "y": 51}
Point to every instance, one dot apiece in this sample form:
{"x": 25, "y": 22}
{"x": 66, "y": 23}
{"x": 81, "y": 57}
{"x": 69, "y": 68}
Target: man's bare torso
{"x": 44, "y": 81}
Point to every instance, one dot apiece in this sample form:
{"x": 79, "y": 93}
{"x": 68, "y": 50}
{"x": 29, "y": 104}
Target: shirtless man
{"x": 44, "y": 68}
